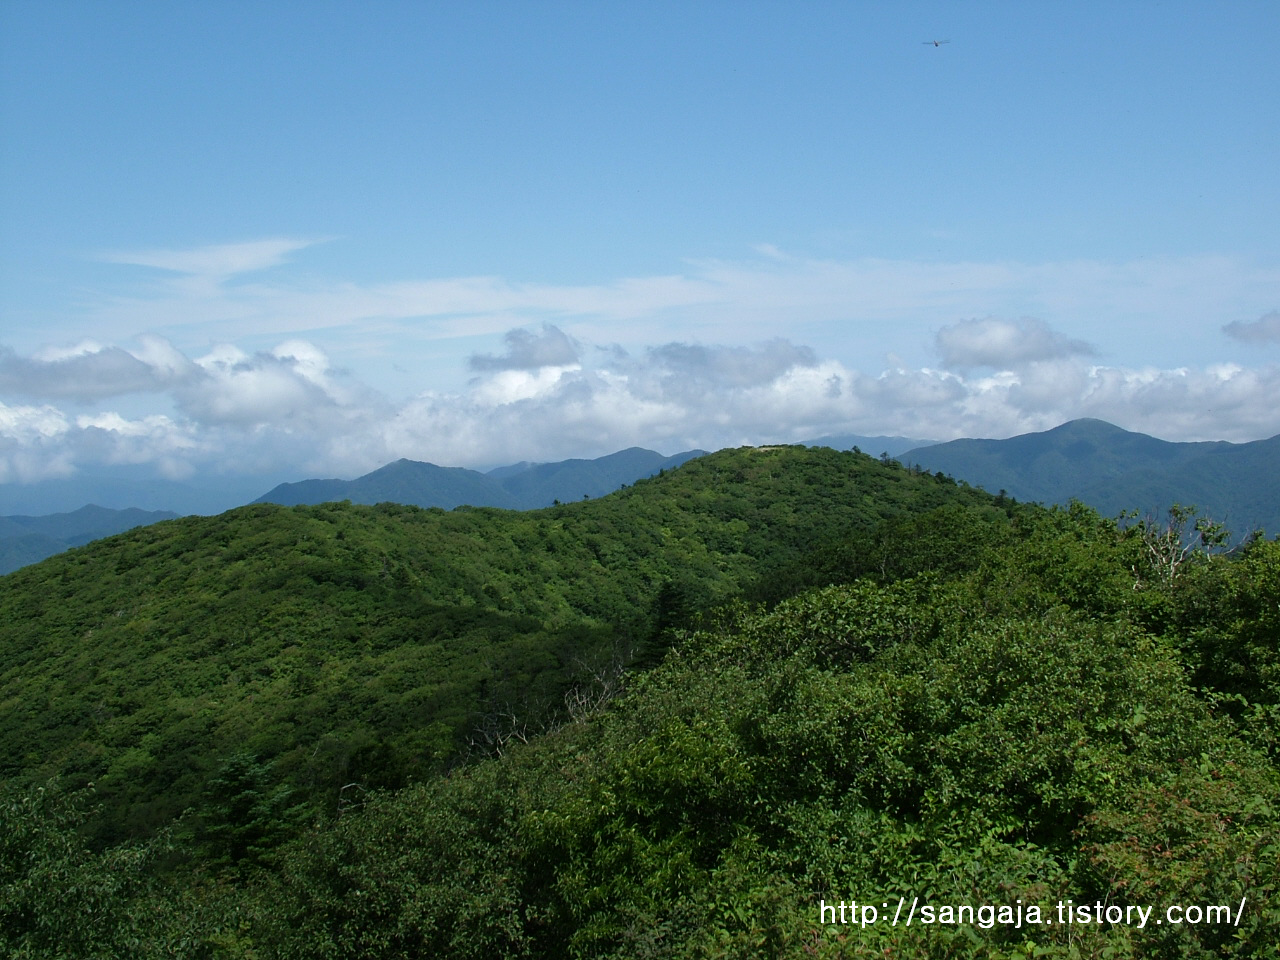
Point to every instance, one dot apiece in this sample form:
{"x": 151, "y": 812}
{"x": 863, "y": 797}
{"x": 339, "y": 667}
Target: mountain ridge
{"x": 770, "y": 675}
{"x": 524, "y": 486}
{"x": 27, "y": 539}
{"x": 1096, "y": 462}
{"x": 1115, "y": 470}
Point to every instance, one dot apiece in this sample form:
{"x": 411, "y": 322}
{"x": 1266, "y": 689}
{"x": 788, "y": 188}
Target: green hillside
{"x": 401, "y": 733}
{"x": 343, "y": 642}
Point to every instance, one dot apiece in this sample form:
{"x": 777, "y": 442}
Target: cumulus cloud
{"x": 25, "y": 424}
{"x": 173, "y": 447}
{"x": 41, "y": 443}
{"x": 548, "y": 396}
{"x": 1266, "y": 329}
{"x": 527, "y": 350}
{"x": 244, "y": 374}
{"x": 685, "y": 365}
{"x": 291, "y": 383}
{"x": 31, "y": 444}
{"x": 235, "y": 388}
{"x": 1003, "y": 344}
{"x": 667, "y": 395}
{"x": 676, "y": 396}
{"x": 256, "y": 410}
{"x": 87, "y": 372}
{"x": 291, "y": 387}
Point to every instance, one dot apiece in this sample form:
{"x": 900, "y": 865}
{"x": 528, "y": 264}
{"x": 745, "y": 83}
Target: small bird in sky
{"x": 936, "y": 43}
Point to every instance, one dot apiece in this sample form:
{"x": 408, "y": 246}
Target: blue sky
{"x": 308, "y": 238}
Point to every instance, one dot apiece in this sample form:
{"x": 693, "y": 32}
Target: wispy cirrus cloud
{"x": 216, "y": 260}
{"x": 860, "y": 301}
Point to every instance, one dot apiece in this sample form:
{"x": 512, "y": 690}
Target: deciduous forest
{"x": 668, "y": 722}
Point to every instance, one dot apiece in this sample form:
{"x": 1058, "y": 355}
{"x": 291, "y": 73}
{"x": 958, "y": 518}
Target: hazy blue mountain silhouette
{"x": 404, "y": 481}
{"x": 25, "y": 540}
{"x": 523, "y": 486}
{"x": 542, "y": 484}
{"x": 1114, "y": 470}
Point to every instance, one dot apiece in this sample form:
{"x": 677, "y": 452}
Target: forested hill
{"x": 342, "y": 642}
{"x": 351, "y": 732}
{"x": 1114, "y": 470}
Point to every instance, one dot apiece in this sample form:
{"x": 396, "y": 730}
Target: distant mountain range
{"x": 1113, "y": 470}
{"x": 525, "y": 485}
{"x": 522, "y": 486}
{"x": 120, "y": 487}
{"x": 1110, "y": 469}
{"x": 25, "y": 540}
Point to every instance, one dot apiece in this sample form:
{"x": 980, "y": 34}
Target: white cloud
{"x": 1266, "y": 329}
{"x": 173, "y": 448}
{"x": 504, "y": 387}
{"x": 681, "y": 395}
{"x": 168, "y": 362}
{"x": 27, "y": 424}
{"x": 31, "y": 446}
{"x": 89, "y": 371}
{"x": 290, "y": 387}
{"x": 287, "y": 408}
{"x": 701, "y": 369}
{"x": 54, "y": 353}
{"x": 668, "y": 361}
{"x": 218, "y": 260}
{"x": 1003, "y": 344}
{"x": 529, "y": 351}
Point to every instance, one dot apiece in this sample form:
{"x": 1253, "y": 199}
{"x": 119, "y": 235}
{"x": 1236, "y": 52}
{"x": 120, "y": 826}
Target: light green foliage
{"x": 958, "y": 757}
{"x": 60, "y": 900}
{"x": 1205, "y": 833}
{"x": 868, "y": 685}
{"x": 349, "y": 644}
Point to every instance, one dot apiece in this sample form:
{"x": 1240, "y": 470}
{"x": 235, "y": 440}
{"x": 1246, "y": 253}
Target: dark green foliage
{"x": 57, "y": 898}
{"x": 244, "y": 813}
{"x": 1230, "y": 613}
{"x": 354, "y": 644}
{"x": 971, "y": 702}
{"x": 861, "y": 742}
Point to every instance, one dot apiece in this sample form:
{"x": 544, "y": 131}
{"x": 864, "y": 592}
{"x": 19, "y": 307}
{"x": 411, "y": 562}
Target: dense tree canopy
{"x": 673, "y": 722}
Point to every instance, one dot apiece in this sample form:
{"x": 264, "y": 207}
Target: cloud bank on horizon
{"x": 588, "y": 370}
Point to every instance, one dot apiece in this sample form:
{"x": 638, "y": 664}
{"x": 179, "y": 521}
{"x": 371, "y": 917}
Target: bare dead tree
{"x": 1182, "y": 537}
{"x": 603, "y": 681}
{"x": 356, "y": 799}
{"x": 497, "y": 731}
